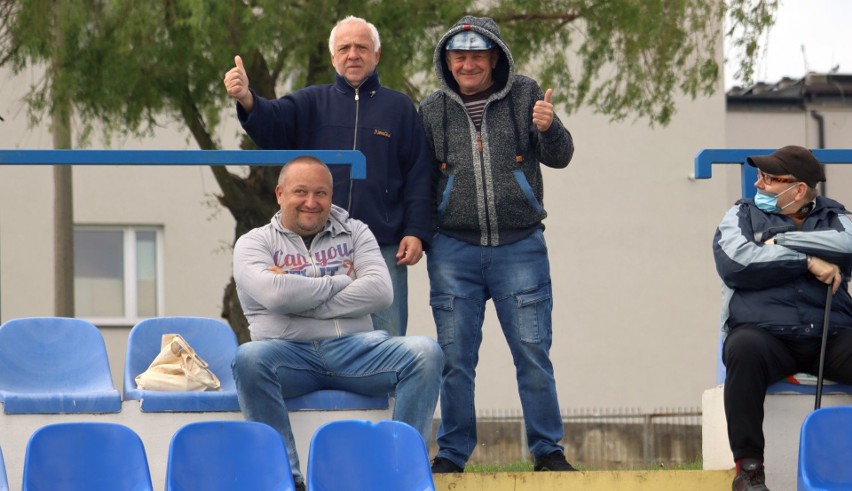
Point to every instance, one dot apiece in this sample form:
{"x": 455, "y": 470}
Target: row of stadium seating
{"x": 225, "y": 456}
{"x": 55, "y": 365}
{"x": 344, "y": 455}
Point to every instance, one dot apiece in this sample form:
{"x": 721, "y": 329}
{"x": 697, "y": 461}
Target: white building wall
{"x": 198, "y": 233}
{"x": 636, "y": 293}
{"x": 771, "y": 129}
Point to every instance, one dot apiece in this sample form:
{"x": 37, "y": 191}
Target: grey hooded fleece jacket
{"x": 325, "y": 292}
{"x": 492, "y": 196}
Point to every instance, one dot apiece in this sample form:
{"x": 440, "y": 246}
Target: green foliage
{"x": 528, "y": 467}
{"x": 129, "y": 65}
{"x": 506, "y": 467}
{"x": 126, "y": 64}
{"x": 747, "y": 21}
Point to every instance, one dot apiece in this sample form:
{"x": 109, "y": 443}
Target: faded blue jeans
{"x": 394, "y": 319}
{"x": 516, "y": 276}
{"x": 371, "y": 363}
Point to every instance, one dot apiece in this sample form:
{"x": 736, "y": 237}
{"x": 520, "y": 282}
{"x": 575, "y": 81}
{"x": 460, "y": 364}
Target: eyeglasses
{"x": 769, "y": 179}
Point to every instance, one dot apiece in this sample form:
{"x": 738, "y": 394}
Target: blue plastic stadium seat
{"x": 228, "y": 456}
{"x": 828, "y": 387}
{"x": 352, "y": 455}
{"x": 825, "y": 450}
{"x": 55, "y": 365}
{"x": 86, "y": 456}
{"x": 213, "y": 340}
{"x": 216, "y": 343}
{"x": 4, "y": 481}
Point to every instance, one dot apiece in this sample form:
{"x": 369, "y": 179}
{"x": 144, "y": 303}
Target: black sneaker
{"x": 553, "y": 462}
{"x": 444, "y": 466}
{"x": 300, "y": 486}
{"x": 751, "y": 477}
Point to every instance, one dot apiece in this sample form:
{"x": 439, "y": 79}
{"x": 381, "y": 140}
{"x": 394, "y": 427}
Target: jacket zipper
{"x": 354, "y": 141}
{"x": 481, "y": 151}
{"x": 311, "y": 259}
{"x": 316, "y": 275}
{"x": 355, "y": 136}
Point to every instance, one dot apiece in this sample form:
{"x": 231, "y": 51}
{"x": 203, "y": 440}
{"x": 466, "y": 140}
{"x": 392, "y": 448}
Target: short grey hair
{"x": 374, "y": 33}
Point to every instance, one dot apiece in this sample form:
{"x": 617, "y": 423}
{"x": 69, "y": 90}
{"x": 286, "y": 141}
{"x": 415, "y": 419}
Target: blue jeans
{"x": 394, "y": 319}
{"x": 373, "y": 363}
{"x": 516, "y": 276}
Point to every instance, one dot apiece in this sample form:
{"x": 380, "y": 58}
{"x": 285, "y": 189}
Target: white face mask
{"x": 769, "y": 202}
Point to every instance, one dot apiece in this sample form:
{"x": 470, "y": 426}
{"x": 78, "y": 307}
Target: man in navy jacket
{"x": 356, "y": 113}
{"x": 777, "y": 255}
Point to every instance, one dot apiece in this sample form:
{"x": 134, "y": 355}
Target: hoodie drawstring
{"x": 519, "y": 158}
{"x": 446, "y": 143}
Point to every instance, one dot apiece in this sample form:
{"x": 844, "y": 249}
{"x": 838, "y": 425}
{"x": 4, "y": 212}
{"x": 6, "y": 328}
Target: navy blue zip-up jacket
{"x": 769, "y": 285}
{"x": 395, "y": 200}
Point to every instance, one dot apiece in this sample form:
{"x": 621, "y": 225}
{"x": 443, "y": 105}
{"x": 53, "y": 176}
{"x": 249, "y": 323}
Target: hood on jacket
{"x": 503, "y": 73}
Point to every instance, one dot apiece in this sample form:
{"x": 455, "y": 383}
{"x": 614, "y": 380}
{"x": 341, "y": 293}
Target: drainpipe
{"x": 820, "y": 140}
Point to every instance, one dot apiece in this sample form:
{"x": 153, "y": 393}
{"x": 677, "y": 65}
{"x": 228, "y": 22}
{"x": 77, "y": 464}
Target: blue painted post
{"x": 181, "y": 157}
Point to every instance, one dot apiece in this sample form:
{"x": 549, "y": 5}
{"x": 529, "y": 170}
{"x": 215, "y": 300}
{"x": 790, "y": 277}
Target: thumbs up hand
{"x": 542, "y": 114}
{"x": 237, "y": 84}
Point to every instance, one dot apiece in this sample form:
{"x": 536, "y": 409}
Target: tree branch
{"x": 564, "y": 17}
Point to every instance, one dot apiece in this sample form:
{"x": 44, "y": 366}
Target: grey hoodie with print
{"x": 493, "y": 196}
{"x": 326, "y": 291}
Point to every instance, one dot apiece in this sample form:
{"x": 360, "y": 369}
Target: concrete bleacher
{"x": 784, "y": 414}
{"x": 658, "y": 480}
{"x": 786, "y": 406}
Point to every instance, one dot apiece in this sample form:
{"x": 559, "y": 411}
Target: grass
{"x": 686, "y": 466}
{"x": 511, "y": 467}
{"x": 528, "y": 467}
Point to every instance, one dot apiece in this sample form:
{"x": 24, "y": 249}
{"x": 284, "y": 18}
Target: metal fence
{"x": 615, "y": 439}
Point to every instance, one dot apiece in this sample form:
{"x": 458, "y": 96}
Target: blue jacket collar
{"x": 370, "y": 84}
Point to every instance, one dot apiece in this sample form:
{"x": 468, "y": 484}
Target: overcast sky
{"x": 808, "y": 35}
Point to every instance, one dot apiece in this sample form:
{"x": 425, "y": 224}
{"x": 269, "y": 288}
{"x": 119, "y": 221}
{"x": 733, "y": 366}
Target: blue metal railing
{"x": 181, "y": 157}
{"x": 706, "y": 158}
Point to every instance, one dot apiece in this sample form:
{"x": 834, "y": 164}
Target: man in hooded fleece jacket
{"x": 488, "y": 128}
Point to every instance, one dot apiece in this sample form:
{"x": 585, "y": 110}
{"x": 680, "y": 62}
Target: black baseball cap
{"x": 793, "y": 160}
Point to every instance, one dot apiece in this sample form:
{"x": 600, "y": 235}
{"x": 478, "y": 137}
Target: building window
{"x": 117, "y": 274}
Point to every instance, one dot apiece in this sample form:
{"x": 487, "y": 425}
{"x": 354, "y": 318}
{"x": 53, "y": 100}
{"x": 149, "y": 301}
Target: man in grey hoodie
{"x": 488, "y": 129}
{"x": 308, "y": 282}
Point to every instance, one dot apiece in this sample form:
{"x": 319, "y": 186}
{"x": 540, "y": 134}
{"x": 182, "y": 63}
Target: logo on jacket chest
{"x": 327, "y": 261}
{"x": 384, "y": 133}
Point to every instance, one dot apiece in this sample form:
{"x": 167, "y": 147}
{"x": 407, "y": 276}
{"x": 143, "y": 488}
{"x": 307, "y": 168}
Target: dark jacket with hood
{"x": 768, "y": 285}
{"x": 395, "y": 198}
{"x": 491, "y": 196}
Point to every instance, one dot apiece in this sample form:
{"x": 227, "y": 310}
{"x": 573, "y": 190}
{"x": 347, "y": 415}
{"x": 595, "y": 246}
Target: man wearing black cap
{"x": 775, "y": 255}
